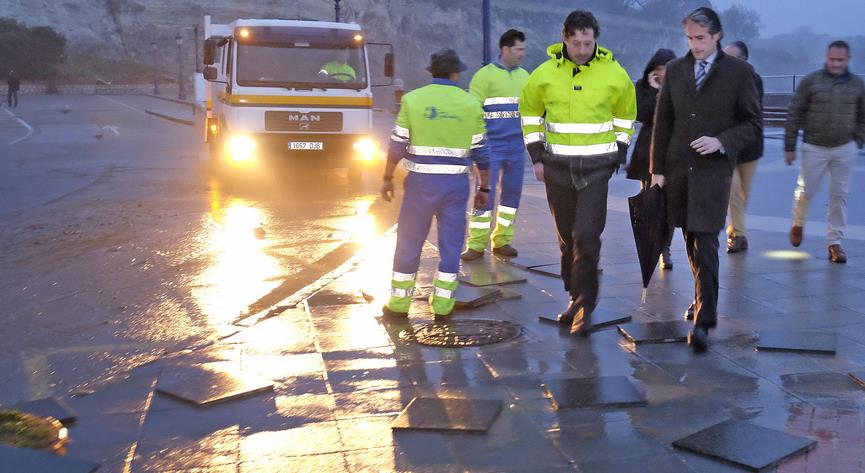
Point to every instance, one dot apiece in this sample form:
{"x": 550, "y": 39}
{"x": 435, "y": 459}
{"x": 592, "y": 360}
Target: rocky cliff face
{"x": 127, "y": 28}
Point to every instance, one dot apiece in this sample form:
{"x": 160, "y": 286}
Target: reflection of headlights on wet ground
{"x": 787, "y": 255}
{"x": 241, "y": 148}
{"x": 366, "y": 149}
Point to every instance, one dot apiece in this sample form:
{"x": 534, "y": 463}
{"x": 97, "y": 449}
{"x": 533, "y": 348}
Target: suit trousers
{"x": 580, "y": 217}
{"x": 817, "y": 161}
{"x": 702, "y": 251}
{"x": 743, "y": 175}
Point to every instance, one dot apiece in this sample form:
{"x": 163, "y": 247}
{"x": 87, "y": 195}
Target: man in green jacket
{"x": 577, "y": 111}
{"x": 829, "y": 106}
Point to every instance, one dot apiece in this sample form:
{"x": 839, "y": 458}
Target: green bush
{"x": 34, "y": 52}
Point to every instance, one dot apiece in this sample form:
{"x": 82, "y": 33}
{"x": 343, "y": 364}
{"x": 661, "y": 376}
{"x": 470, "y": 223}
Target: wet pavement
{"x": 342, "y": 376}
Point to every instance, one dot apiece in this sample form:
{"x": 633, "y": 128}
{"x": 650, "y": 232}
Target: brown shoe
{"x": 471, "y": 255}
{"x": 736, "y": 244}
{"x": 836, "y": 254}
{"x": 507, "y": 251}
{"x": 795, "y": 235}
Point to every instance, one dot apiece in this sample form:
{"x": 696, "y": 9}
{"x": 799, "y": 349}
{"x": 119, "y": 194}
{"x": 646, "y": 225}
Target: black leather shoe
{"x": 698, "y": 339}
{"x": 566, "y": 318}
{"x": 582, "y": 323}
{"x": 507, "y": 251}
{"x": 689, "y": 312}
{"x": 471, "y": 255}
{"x": 736, "y": 244}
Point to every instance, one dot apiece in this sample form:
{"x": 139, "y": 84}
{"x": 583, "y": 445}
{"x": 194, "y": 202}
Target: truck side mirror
{"x": 209, "y": 73}
{"x": 209, "y": 52}
{"x": 388, "y": 65}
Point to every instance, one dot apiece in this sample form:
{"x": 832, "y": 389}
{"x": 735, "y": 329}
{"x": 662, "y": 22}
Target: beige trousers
{"x": 741, "y": 187}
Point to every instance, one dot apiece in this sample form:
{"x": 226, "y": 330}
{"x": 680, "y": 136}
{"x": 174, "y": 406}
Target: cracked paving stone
{"x": 655, "y": 332}
{"x": 802, "y": 342}
{"x": 433, "y": 413}
{"x": 745, "y": 444}
{"x": 29, "y": 460}
{"x": 48, "y": 407}
{"x": 210, "y": 383}
{"x": 612, "y": 391}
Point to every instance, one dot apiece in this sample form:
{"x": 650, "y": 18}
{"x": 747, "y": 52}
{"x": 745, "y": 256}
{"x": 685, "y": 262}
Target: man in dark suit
{"x": 708, "y": 112}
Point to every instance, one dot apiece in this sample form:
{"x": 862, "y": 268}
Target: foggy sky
{"x": 833, "y": 17}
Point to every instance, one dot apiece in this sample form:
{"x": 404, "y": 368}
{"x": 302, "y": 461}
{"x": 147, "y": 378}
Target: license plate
{"x": 306, "y": 145}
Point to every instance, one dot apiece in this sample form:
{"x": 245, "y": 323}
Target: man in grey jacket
{"x": 829, "y": 106}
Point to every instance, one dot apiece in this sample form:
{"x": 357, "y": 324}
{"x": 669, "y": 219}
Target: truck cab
{"x": 289, "y": 89}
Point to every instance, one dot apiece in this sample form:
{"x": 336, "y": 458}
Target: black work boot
{"x": 507, "y": 251}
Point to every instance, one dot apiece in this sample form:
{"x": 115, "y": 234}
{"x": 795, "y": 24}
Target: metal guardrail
{"x": 785, "y": 83}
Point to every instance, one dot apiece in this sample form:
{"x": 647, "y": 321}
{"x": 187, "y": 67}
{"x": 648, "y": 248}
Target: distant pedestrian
{"x": 743, "y": 173}
{"x": 708, "y": 112}
{"x": 13, "y": 84}
{"x": 829, "y": 106}
{"x": 577, "y": 112}
{"x": 647, "y": 89}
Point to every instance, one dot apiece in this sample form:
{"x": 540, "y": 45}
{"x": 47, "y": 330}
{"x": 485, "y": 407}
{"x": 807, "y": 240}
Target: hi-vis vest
{"x": 442, "y": 127}
{"x": 578, "y": 110}
{"x": 498, "y": 89}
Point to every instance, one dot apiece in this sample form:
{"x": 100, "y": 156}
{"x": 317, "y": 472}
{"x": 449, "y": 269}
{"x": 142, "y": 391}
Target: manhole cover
{"x": 462, "y": 333}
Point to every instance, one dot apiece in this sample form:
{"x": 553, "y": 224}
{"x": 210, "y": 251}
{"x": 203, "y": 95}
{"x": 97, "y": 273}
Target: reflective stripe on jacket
{"x": 498, "y": 89}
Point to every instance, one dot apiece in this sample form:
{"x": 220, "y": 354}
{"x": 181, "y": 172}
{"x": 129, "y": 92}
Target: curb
{"x": 167, "y": 99}
{"x": 181, "y": 121}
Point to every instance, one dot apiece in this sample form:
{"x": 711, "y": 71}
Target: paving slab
{"x": 530, "y": 261}
{"x": 552, "y": 270}
{"x": 745, "y": 444}
{"x": 666, "y": 463}
{"x": 327, "y": 297}
{"x": 455, "y": 414}
{"x": 803, "y": 342}
{"x": 36, "y": 461}
{"x": 48, "y": 407}
{"x": 655, "y": 332}
{"x": 600, "y": 319}
{"x": 610, "y": 391}
{"x": 481, "y": 274}
{"x": 210, "y": 383}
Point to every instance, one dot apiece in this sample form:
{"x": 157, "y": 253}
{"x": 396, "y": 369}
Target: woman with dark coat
{"x": 647, "y": 94}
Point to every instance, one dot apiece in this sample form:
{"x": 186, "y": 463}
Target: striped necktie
{"x": 701, "y": 74}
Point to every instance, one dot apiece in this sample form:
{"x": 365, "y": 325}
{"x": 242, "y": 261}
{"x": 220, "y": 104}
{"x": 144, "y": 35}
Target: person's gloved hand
{"x": 387, "y": 192}
{"x": 622, "y": 153}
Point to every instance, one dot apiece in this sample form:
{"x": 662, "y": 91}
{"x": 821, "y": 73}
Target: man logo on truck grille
{"x": 304, "y": 118}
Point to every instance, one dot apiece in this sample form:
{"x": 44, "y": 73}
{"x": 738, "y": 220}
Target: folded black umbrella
{"x": 651, "y": 232}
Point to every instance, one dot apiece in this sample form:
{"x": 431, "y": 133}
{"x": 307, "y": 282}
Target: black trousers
{"x": 703, "y": 257}
{"x": 580, "y": 215}
{"x": 12, "y": 97}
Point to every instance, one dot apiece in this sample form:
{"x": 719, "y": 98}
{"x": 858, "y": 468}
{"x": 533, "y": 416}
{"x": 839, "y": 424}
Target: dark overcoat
{"x": 726, "y": 107}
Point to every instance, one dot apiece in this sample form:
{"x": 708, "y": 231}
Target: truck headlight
{"x": 241, "y": 147}
{"x": 366, "y": 148}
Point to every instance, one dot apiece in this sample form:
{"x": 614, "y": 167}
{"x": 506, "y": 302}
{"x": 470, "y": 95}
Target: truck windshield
{"x": 301, "y": 65}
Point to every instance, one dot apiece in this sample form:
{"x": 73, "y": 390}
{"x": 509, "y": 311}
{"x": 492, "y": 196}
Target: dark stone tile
{"x": 472, "y": 415}
{"x": 655, "y": 332}
{"x": 29, "y": 460}
{"x": 508, "y": 294}
{"x": 804, "y": 342}
{"x": 210, "y": 383}
{"x": 734, "y": 441}
{"x": 478, "y": 273}
{"x": 48, "y": 407}
{"x": 611, "y": 391}
{"x": 529, "y": 261}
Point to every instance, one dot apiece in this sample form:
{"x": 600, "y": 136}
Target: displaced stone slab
{"x": 801, "y": 342}
{"x": 210, "y": 383}
{"x": 529, "y": 261}
{"x": 327, "y": 297}
{"x": 508, "y": 294}
{"x": 552, "y": 270}
{"x": 467, "y": 297}
{"x": 655, "y": 332}
{"x": 481, "y": 274}
{"x": 48, "y": 407}
{"x": 29, "y": 460}
{"x": 745, "y": 444}
{"x": 600, "y": 319}
{"x": 433, "y": 413}
{"x": 612, "y": 391}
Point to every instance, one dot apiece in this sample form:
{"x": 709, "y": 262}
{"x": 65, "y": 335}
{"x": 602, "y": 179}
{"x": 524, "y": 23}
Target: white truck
{"x": 293, "y": 89}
